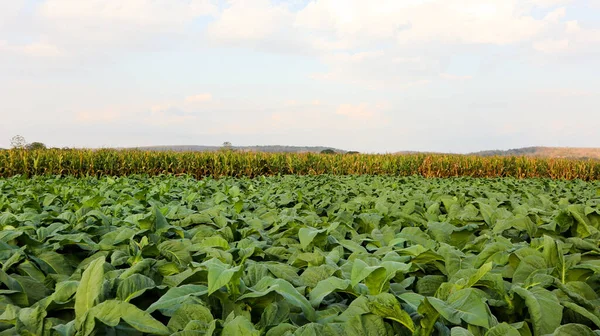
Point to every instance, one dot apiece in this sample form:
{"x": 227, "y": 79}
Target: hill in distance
{"x": 265, "y": 149}
{"x": 547, "y": 152}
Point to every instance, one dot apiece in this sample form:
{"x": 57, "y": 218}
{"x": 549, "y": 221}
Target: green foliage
{"x": 35, "y": 146}
{"x": 237, "y": 163}
{"x": 325, "y": 255}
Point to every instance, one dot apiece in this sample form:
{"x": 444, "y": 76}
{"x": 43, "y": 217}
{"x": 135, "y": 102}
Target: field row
{"x": 299, "y": 255}
{"x": 201, "y": 164}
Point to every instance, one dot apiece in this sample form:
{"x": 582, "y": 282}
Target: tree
{"x": 328, "y": 151}
{"x": 352, "y": 152}
{"x": 18, "y": 141}
{"x": 36, "y": 146}
{"x": 227, "y": 146}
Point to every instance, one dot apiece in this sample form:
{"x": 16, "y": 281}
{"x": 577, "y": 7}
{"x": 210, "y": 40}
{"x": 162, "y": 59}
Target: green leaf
{"x": 466, "y": 304}
{"x": 133, "y": 287}
{"x": 387, "y": 306}
{"x": 503, "y": 329}
{"x": 240, "y": 326}
{"x": 326, "y": 287}
{"x": 174, "y": 297}
{"x": 160, "y": 222}
{"x": 90, "y": 289}
{"x": 282, "y": 329}
{"x": 111, "y": 312}
{"x": 527, "y": 266}
{"x": 219, "y": 274}
{"x": 545, "y": 310}
{"x": 285, "y": 289}
{"x": 366, "y": 325}
{"x": 188, "y": 312}
{"x": 429, "y": 317}
{"x": 595, "y": 318}
{"x": 274, "y": 314}
{"x": 65, "y": 291}
{"x": 360, "y": 270}
{"x": 573, "y": 330}
{"x": 458, "y": 331}
{"x": 378, "y": 281}
{"x": 176, "y": 251}
{"x": 307, "y": 234}
{"x": 31, "y": 321}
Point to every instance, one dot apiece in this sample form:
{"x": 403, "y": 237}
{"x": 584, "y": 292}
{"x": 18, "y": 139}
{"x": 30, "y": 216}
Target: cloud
{"x": 258, "y": 24}
{"x": 90, "y": 28}
{"x": 570, "y": 38}
{"x": 556, "y": 14}
{"x": 359, "y": 112}
{"x": 35, "y": 49}
{"x": 449, "y": 76}
{"x": 551, "y": 46}
{"x": 106, "y": 115}
{"x": 379, "y": 69}
{"x": 397, "y": 44}
{"x": 199, "y": 98}
{"x": 311, "y": 115}
{"x": 155, "y": 15}
{"x": 549, "y": 3}
{"x": 359, "y": 23}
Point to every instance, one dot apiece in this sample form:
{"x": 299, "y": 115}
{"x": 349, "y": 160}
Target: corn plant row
{"x": 108, "y": 162}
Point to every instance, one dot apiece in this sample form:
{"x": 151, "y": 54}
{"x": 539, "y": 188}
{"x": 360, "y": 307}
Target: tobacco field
{"x": 299, "y": 255}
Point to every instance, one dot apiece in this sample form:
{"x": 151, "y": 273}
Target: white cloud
{"x": 359, "y": 22}
{"x": 551, "y": 46}
{"x": 549, "y": 3}
{"x": 249, "y": 20}
{"x": 35, "y": 49}
{"x": 449, "y": 76}
{"x": 570, "y": 38}
{"x": 379, "y": 69}
{"x": 157, "y": 14}
{"x": 106, "y": 115}
{"x": 199, "y": 98}
{"x": 392, "y": 43}
{"x": 556, "y": 15}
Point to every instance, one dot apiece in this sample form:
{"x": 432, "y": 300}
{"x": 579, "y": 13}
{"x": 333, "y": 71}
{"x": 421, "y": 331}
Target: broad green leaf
{"x": 275, "y": 314}
{"x": 466, "y": 304}
{"x": 503, "y": 329}
{"x": 134, "y": 286}
{"x": 387, "y": 306}
{"x": 188, "y": 312}
{"x": 360, "y": 270}
{"x": 593, "y": 316}
{"x": 573, "y": 330}
{"x": 458, "y": 331}
{"x": 90, "y": 289}
{"x": 284, "y": 289}
{"x": 31, "y": 320}
{"x": 176, "y": 251}
{"x": 544, "y": 309}
{"x": 219, "y": 274}
{"x": 367, "y": 325}
{"x": 111, "y": 312}
{"x": 527, "y": 266}
{"x": 429, "y": 318}
{"x": 174, "y": 297}
{"x": 326, "y": 287}
{"x": 240, "y": 326}
{"x": 307, "y": 234}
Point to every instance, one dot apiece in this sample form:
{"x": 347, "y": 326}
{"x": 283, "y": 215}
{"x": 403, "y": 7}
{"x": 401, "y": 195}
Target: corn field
{"x": 76, "y": 162}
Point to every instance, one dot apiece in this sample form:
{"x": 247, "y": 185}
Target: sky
{"x": 373, "y": 76}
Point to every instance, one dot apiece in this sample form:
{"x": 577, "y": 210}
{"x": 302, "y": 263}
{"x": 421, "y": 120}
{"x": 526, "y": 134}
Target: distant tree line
{"x": 19, "y": 142}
